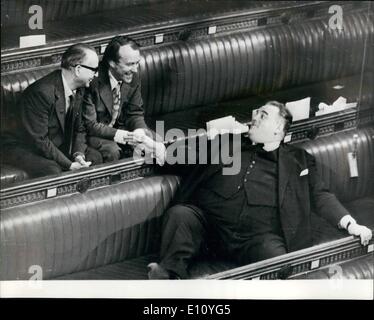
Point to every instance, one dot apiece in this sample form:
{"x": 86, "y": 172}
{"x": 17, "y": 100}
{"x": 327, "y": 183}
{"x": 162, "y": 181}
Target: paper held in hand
{"x": 224, "y": 125}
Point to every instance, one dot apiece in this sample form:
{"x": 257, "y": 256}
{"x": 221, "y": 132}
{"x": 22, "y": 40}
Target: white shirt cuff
{"x": 118, "y": 137}
{"x": 343, "y": 223}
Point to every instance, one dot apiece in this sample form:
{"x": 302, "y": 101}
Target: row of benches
{"x": 112, "y": 232}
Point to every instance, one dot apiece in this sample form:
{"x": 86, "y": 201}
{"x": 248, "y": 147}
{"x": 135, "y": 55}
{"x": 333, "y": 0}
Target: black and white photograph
{"x": 187, "y": 149}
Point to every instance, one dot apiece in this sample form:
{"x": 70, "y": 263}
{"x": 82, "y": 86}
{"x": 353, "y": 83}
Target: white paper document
{"x": 338, "y": 105}
{"x": 32, "y": 41}
{"x": 299, "y": 109}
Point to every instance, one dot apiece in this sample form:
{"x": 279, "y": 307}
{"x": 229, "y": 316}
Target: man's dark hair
{"x": 74, "y": 55}
{"x": 112, "y": 50}
{"x": 284, "y": 113}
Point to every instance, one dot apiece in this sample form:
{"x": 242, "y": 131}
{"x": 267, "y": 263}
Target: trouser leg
{"x": 260, "y": 248}
{"x": 94, "y": 156}
{"x": 110, "y": 150}
{"x": 184, "y": 232}
{"x": 35, "y": 165}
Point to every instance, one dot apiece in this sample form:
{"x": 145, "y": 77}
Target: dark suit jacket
{"x": 42, "y": 115}
{"x": 301, "y": 192}
{"x": 98, "y": 104}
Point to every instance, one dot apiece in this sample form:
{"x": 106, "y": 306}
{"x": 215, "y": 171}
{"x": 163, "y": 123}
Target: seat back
{"x": 183, "y": 75}
{"x": 188, "y": 74}
{"x": 12, "y": 86}
{"x": 84, "y": 231}
{"x": 331, "y": 154}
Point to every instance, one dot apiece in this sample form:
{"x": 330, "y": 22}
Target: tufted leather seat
{"x": 113, "y": 232}
{"x": 356, "y": 193}
{"x": 331, "y": 151}
{"x": 241, "y": 109}
{"x": 12, "y": 87}
{"x": 84, "y": 231}
{"x": 185, "y": 75}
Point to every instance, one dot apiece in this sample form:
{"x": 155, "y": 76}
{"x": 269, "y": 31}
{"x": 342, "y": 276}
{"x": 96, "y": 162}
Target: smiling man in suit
{"x": 262, "y": 212}
{"x": 51, "y": 137}
{"x": 113, "y": 107}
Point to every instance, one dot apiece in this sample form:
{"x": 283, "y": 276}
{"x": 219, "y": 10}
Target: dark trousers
{"x": 109, "y": 149}
{"x": 37, "y": 166}
{"x": 186, "y": 231}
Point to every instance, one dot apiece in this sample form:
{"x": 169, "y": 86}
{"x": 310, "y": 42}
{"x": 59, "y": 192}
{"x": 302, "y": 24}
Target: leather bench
{"x": 70, "y": 21}
{"x": 113, "y": 232}
{"x": 188, "y": 83}
{"x": 84, "y": 231}
{"x": 356, "y": 193}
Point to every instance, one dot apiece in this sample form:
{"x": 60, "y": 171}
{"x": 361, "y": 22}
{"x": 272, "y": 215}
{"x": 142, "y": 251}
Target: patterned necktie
{"x": 68, "y": 139}
{"x": 116, "y": 103}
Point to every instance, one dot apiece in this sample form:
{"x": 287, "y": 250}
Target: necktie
{"x": 69, "y": 125}
{"x": 71, "y": 102}
{"x": 116, "y": 103}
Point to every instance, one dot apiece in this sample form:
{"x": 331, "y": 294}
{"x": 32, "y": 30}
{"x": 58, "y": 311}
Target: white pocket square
{"x": 304, "y": 172}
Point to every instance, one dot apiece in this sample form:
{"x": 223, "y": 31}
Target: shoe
{"x": 156, "y": 272}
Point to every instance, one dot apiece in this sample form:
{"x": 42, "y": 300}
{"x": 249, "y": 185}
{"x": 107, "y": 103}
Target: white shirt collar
{"x": 67, "y": 90}
{"x": 113, "y": 81}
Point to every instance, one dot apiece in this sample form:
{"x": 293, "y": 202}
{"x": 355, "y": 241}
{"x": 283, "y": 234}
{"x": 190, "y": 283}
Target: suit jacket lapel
{"x": 105, "y": 89}
{"x": 285, "y": 164}
{"x": 60, "y": 100}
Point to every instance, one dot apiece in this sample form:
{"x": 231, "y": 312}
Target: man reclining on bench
{"x": 262, "y": 212}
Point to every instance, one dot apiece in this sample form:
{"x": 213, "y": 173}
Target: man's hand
{"x": 363, "y": 232}
{"x": 79, "y": 163}
{"x": 80, "y": 159}
{"x": 139, "y": 135}
{"x": 152, "y": 149}
{"x": 124, "y": 137}
{"x": 75, "y": 166}
{"x": 160, "y": 153}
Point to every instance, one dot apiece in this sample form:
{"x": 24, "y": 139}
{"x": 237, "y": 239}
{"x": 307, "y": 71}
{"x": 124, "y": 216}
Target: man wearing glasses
{"x": 52, "y": 136}
{"x": 113, "y": 108}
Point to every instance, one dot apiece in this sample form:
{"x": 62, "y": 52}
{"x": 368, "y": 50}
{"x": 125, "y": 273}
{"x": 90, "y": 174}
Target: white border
{"x": 195, "y": 289}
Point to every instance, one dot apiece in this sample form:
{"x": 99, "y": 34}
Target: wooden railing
{"x": 294, "y": 263}
{"x": 73, "y": 182}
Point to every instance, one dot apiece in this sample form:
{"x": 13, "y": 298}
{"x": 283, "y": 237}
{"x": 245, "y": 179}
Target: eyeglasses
{"x": 89, "y": 68}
